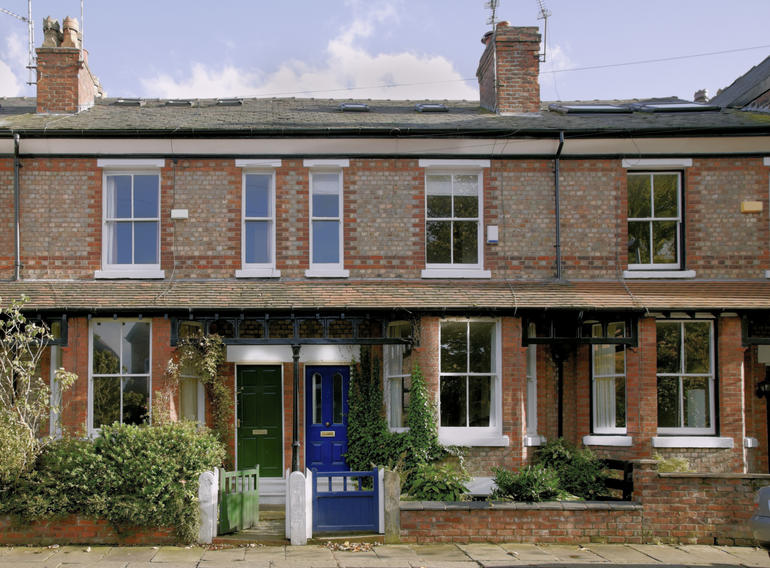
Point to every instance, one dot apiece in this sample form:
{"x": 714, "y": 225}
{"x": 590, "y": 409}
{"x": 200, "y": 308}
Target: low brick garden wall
{"x": 689, "y": 508}
{"x": 75, "y": 530}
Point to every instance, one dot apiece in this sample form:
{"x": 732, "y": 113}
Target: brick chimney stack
{"x": 517, "y": 54}
{"x": 65, "y": 84}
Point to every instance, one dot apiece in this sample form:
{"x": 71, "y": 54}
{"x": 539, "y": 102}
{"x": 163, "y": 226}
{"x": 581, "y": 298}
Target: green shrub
{"x": 435, "y": 482}
{"x": 129, "y": 475}
{"x": 580, "y": 471}
{"x": 671, "y": 464}
{"x": 531, "y": 484}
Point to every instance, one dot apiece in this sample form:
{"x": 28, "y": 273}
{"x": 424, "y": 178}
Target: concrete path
{"x": 482, "y": 555}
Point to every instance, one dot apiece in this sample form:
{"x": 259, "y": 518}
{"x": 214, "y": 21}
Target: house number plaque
{"x": 328, "y": 433}
{"x": 258, "y": 432}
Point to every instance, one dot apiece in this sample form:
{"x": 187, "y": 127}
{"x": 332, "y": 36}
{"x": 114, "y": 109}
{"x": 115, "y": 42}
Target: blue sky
{"x": 394, "y": 49}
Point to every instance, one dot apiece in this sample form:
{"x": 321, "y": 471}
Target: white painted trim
{"x": 536, "y": 440}
{"x": 339, "y": 163}
{"x": 332, "y": 272}
{"x": 639, "y": 274}
{"x": 258, "y": 273}
{"x": 132, "y": 274}
{"x": 455, "y": 273}
{"x": 249, "y": 163}
{"x": 422, "y": 148}
{"x": 750, "y": 442}
{"x": 767, "y": 160}
{"x": 381, "y": 500}
{"x": 651, "y": 163}
{"x": 428, "y": 163}
{"x": 616, "y": 441}
{"x": 692, "y": 442}
{"x": 277, "y": 354}
{"x": 132, "y": 163}
{"x": 180, "y": 213}
{"x": 468, "y": 439}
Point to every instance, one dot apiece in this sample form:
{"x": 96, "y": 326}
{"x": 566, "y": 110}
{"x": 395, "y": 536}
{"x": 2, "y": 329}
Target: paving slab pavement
{"x": 529, "y": 553}
{"x": 619, "y": 554}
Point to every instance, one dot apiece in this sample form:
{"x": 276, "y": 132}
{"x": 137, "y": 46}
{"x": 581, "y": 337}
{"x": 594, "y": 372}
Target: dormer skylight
{"x": 229, "y": 102}
{"x": 588, "y": 108}
{"x": 129, "y": 102}
{"x": 673, "y": 106}
{"x": 353, "y": 107}
{"x": 179, "y": 103}
{"x": 430, "y": 107}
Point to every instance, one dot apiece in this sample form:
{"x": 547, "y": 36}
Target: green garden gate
{"x": 238, "y": 500}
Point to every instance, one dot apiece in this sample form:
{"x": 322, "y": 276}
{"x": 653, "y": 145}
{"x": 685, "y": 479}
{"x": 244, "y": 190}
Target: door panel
{"x": 260, "y": 419}
{"x": 326, "y": 409}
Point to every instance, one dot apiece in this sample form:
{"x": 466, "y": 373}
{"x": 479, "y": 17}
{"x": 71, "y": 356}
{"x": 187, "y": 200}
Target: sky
{"x": 394, "y": 49}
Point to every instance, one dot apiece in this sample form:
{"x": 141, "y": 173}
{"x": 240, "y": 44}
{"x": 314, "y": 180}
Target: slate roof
{"x": 236, "y": 295}
{"x": 321, "y": 117}
{"x": 747, "y": 88}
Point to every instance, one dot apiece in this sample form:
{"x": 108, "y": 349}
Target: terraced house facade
{"x": 597, "y": 271}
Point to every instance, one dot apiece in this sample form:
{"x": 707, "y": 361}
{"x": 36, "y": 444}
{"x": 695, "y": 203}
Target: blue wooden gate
{"x": 346, "y": 501}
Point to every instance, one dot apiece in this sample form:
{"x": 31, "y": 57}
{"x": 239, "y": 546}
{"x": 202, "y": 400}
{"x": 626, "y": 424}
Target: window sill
{"x": 133, "y": 273}
{"x": 692, "y": 442}
{"x": 534, "y": 440}
{"x": 472, "y": 439}
{"x": 750, "y": 443}
{"x": 455, "y": 273}
{"x": 608, "y": 440}
{"x": 632, "y": 274}
{"x": 258, "y": 273}
{"x": 767, "y": 273}
{"x": 327, "y": 273}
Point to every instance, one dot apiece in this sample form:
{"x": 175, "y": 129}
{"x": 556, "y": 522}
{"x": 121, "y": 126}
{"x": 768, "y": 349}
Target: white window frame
{"x": 689, "y": 431}
{"x": 131, "y": 167}
{"x": 258, "y": 269}
{"x": 92, "y": 324}
{"x": 476, "y": 435}
{"x": 200, "y": 396}
{"x": 454, "y": 168}
{"x": 533, "y": 438}
{"x": 596, "y": 427}
{"x": 327, "y": 269}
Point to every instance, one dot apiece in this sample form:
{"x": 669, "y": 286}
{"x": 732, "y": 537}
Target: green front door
{"x": 259, "y": 420}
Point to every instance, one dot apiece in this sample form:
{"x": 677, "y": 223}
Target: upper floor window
{"x": 326, "y": 227}
{"x": 453, "y": 220}
{"x": 131, "y": 222}
{"x": 654, "y": 220}
{"x": 120, "y": 372}
{"x": 685, "y": 377}
{"x": 258, "y": 218}
{"x": 608, "y": 374}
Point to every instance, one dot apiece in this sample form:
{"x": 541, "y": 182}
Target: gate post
{"x": 208, "y": 492}
{"x": 297, "y": 509}
{"x": 392, "y": 509}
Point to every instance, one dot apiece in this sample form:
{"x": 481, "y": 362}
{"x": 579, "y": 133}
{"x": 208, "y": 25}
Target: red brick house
{"x": 597, "y": 271}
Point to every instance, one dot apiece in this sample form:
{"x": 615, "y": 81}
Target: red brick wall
{"x": 76, "y": 530}
{"x": 64, "y": 84}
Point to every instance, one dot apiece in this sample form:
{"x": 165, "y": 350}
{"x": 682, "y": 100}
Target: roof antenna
{"x": 492, "y": 6}
{"x": 544, "y": 14}
{"x": 31, "y": 39}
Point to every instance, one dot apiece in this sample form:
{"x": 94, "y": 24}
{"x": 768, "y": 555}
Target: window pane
{"x": 146, "y": 242}
{"x": 258, "y": 195}
{"x": 257, "y": 241}
{"x": 122, "y": 245}
{"x": 439, "y": 206}
{"x": 326, "y": 242}
{"x": 604, "y": 403}
{"x": 466, "y": 206}
{"x": 106, "y": 397}
{"x": 317, "y": 399}
{"x": 465, "y": 242}
{"x": 664, "y": 242}
{"x": 326, "y": 191}
{"x": 453, "y": 401}
{"x": 620, "y": 402}
{"x": 326, "y": 205}
{"x": 453, "y": 347}
{"x": 604, "y": 360}
{"x": 668, "y": 402}
{"x": 639, "y": 196}
{"x": 481, "y": 345}
{"x": 696, "y": 402}
{"x": 146, "y": 196}
{"x": 438, "y": 184}
{"x": 337, "y": 400}
{"x": 437, "y": 234}
{"x": 136, "y": 398}
{"x": 697, "y": 338}
{"x": 466, "y": 185}
{"x": 669, "y": 344}
{"x": 106, "y": 348}
{"x": 666, "y": 198}
{"x": 121, "y": 200}
{"x": 188, "y": 399}
{"x": 136, "y": 348}
{"x": 639, "y": 242}
{"x": 479, "y": 399}
{"x": 396, "y": 414}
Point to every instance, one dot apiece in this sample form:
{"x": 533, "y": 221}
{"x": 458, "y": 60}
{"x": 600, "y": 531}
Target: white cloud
{"x": 349, "y": 71}
{"x": 13, "y": 62}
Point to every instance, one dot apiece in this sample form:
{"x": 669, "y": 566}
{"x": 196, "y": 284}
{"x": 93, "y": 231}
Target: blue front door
{"x": 326, "y": 412}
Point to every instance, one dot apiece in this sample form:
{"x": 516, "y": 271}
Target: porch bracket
{"x": 295, "y": 410}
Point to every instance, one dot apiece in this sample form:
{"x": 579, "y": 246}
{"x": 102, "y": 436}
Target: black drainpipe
{"x": 295, "y": 411}
{"x": 17, "y": 223}
{"x": 556, "y": 199}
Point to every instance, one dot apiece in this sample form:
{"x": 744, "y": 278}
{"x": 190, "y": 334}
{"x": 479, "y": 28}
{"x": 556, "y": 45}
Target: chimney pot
{"x": 701, "y": 96}
{"x": 71, "y": 35}
{"x": 51, "y": 33}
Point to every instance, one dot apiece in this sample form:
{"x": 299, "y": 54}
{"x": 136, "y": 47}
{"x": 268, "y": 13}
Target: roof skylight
{"x": 430, "y": 107}
{"x": 353, "y": 107}
{"x": 595, "y": 108}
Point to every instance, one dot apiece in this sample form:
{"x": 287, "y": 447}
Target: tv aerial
{"x": 30, "y": 39}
